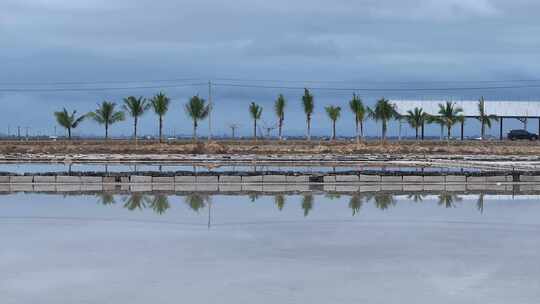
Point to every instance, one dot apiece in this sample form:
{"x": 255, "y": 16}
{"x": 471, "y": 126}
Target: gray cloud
{"x": 363, "y": 41}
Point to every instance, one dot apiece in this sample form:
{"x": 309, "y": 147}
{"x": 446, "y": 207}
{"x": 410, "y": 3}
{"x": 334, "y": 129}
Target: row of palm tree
{"x": 107, "y": 113}
{"x": 198, "y": 109}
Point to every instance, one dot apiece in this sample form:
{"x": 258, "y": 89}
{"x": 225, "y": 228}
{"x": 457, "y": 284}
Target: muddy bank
{"x": 269, "y": 147}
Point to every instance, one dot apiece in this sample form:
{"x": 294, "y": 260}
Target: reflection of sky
{"x": 74, "y": 249}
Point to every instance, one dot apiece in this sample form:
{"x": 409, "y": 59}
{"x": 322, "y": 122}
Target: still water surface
{"x": 151, "y": 248}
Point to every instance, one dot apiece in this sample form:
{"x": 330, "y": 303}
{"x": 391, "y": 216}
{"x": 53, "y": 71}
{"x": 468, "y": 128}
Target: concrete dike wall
{"x": 269, "y": 178}
{"x": 272, "y": 189}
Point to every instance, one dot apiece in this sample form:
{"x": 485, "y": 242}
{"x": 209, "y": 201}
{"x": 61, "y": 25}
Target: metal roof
{"x": 470, "y": 107}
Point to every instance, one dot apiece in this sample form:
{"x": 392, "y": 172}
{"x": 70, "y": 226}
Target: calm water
{"x": 269, "y": 249}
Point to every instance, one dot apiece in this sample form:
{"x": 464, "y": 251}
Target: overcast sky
{"x": 367, "y": 43}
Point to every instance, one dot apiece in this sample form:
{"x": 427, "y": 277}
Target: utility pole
{"x": 210, "y": 110}
{"x": 233, "y": 127}
{"x": 19, "y": 132}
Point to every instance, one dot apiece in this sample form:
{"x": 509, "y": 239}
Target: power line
{"x": 377, "y": 89}
{"x": 378, "y": 82}
{"x": 262, "y": 86}
{"x": 51, "y": 83}
{"x": 98, "y": 88}
{"x": 118, "y": 81}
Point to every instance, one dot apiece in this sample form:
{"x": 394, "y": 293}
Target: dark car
{"x": 521, "y": 134}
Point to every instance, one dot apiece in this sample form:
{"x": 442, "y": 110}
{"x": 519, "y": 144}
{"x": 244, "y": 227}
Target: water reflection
{"x": 160, "y": 203}
{"x": 307, "y": 203}
{"x": 106, "y": 198}
{"x": 417, "y": 197}
{"x": 279, "y": 200}
{"x": 383, "y": 201}
{"x": 136, "y": 200}
{"x": 449, "y": 200}
{"x": 355, "y": 203}
{"x": 196, "y": 201}
{"x": 480, "y": 203}
{"x": 253, "y": 197}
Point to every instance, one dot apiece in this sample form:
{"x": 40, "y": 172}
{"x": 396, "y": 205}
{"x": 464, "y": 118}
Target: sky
{"x": 382, "y": 45}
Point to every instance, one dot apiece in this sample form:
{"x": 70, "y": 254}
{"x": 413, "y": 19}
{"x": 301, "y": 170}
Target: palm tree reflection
{"x": 417, "y": 197}
{"x": 355, "y": 203}
{"x": 279, "y": 200}
{"x": 332, "y": 196}
{"x": 448, "y": 200}
{"x": 106, "y": 198}
{"x": 384, "y": 201}
{"x": 307, "y": 203}
{"x": 160, "y": 203}
{"x": 253, "y": 197}
{"x": 136, "y": 200}
{"x": 480, "y": 203}
{"x": 196, "y": 201}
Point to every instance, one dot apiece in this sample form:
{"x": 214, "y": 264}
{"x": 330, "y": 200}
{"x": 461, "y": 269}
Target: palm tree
{"x": 160, "y": 104}
{"x": 450, "y": 115}
{"x": 383, "y": 112}
{"x": 416, "y": 119}
{"x": 136, "y": 107}
{"x": 279, "y": 108}
{"x": 255, "y": 111}
{"x": 333, "y": 113}
{"x": 106, "y": 115}
{"x": 431, "y": 119}
{"x": 485, "y": 120}
{"x": 359, "y": 111}
{"x": 307, "y": 203}
{"x": 68, "y": 121}
{"x": 198, "y": 110}
{"x": 308, "y": 105}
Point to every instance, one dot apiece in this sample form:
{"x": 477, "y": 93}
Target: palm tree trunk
{"x": 194, "y": 130}
{"x": 69, "y": 133}
{"x": 309, "y": 128}
{"x": 482, "y": 129}
{"x": 362, "y": 130}
{"x": 135, "y": 129}
{"x": 333, "y": 130}
{"x": 416, "y": 129}
{"x": 255, "y": 129}
{"x": 422, "y": 130}
{"x": 280, "y": 127}
{"x": 160, "y": 128}
{"x": 357, "y": 132}
{"x": 383, "y": 131}
{"x": 449, "y": 129}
